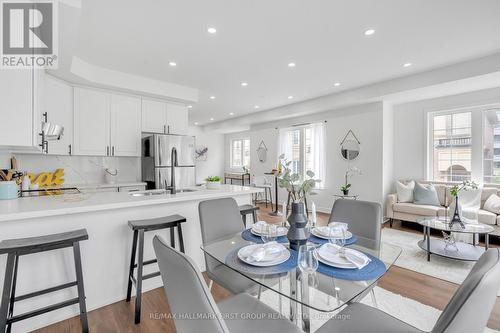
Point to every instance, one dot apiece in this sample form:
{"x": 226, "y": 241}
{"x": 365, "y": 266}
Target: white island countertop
{"x": 34, "y": 207}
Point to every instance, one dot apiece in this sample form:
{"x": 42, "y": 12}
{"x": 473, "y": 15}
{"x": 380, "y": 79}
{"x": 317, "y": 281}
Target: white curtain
{"x": 285, "y": 143}
{"x": 318, "y": 140}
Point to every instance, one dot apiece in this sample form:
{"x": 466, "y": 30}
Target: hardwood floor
{"x": 119, "y": 317}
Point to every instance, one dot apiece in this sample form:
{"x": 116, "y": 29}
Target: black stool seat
{"x": 139, "y": 227}
{"x": 15, "y": 248}
{"x": 157, "y": 223}
{"x": 248, "y": 209}
{"x": 42, "y": 243}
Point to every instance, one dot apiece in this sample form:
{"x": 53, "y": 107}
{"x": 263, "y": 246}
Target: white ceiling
{"x": 256, "y": 40}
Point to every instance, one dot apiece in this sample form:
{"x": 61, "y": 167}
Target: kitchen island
{"x": 106, "y": 254}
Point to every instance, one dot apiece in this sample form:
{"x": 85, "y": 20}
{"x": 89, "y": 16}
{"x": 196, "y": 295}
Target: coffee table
{"x": 450, "y": 248}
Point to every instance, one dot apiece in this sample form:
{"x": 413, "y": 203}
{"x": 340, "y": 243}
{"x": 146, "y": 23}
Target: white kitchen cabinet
{"x": 58, "y": 103}
{"x": 162, "y": 117}
{"x": 17, "y": 116}
{"x": 91, "y": 122}
{"x": 177, "y": 119}
{"x": 125, "y": 130}
{"x": 154, "y": 116}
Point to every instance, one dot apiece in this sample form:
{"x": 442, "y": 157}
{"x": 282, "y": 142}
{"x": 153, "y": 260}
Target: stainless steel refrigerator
{"x": 156, "y": 160}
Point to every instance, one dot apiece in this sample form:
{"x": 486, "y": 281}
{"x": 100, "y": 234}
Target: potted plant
{"x": 213, "y": 182}
{"x": 455, "y": 190}
{"x": 297, "y": 189}
{"x": 351, "y": 171}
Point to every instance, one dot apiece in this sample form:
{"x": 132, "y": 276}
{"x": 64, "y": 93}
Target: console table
{"x": 237, "y": 176}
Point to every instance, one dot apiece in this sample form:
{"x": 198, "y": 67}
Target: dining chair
{"x": 364, "y": 219}
{"x": 221, "y": 218}
{"x": 461, "y": 315}
{"x": 194, "y": 309}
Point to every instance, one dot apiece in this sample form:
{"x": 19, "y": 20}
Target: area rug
{"x": 410, "y": 311}
{"x": 415, "y": 259}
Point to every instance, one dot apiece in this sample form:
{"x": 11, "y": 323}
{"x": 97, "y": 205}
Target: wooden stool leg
{"x": 138, "y": 296}
{"x": 81, "y": 290}
{"x": 270, "y": 198}
{"x": 131, "y": 269}
{"x": 172, "y": 238}
{"x": 7, "y": 286}
{"x": 13, "y": 293}
{"x": 181, "y": 239}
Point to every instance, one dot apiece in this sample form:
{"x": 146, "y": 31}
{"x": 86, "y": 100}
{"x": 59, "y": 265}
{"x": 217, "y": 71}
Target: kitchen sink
{"x": 186, "y": 190}
{"x": 147, "y": 193}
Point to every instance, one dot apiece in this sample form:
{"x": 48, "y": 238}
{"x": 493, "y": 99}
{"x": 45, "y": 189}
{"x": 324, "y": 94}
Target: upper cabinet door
{"x": 177, "y": 119}
{"x": 125, "y": 126}
{"x": 154, "y": 116}
{"x": 91, "y": 122}
{"x": 16, "y": 111}
{"x": 58, "y": 103}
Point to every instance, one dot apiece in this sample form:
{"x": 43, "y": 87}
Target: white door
{"x": 154, "y": 116}
{"x": 91, "y": 122}
{"x": 16, "y": 112}
{"x": 58, "y": 103}
{"x": 177, "y": 119}
{"x": 125, "y": 125}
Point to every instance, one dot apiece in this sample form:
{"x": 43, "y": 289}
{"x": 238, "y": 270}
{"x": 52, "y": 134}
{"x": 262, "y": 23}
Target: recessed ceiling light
{"x": 369, "y": 32}
{"x": 190, "y": 106}
{"x": 231, "y": 113}
{"x": 212, "y": 97}
{"x": 211, "y": 119}
{"x": 408, "y": 64}
{"x": 172, "y": 63}
{"x": 291, "y": 64}
{"x": 244, "y": 84}
{"x": 290, "y": 97}
{"x": 211, "y": 30}
{"x": 196, "y": 123}
{"x": 256, "y": 107}
{"x": 336, "y": 84}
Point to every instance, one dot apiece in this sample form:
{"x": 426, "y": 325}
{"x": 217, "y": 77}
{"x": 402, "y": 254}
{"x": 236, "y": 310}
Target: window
{"x": 451, "y": 139}
{"x": 491, "y": 146}
{"x": 304, "y": 147}
{"x": 240, "y": 153}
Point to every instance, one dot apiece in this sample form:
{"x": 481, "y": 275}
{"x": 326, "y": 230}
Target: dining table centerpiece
{"x": 298, "y": 188}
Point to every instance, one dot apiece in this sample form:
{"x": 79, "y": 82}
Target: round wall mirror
{"x": 350, "y": 149}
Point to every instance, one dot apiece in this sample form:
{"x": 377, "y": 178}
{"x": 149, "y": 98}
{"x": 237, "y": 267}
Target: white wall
{"x": 214, "y": 165}
{"x": 366, "y": 122}
{"x": 410, "y": 143}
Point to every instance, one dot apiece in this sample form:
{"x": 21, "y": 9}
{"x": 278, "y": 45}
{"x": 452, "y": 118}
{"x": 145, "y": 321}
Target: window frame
{"x": 231, "y": 155}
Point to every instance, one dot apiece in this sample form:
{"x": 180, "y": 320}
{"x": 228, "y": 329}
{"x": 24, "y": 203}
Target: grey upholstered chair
{"x": 364, "y": 219}
{"x": 194, "y": 308}
{"x": 467, "y": 311}
{"x": 221, "y": 218}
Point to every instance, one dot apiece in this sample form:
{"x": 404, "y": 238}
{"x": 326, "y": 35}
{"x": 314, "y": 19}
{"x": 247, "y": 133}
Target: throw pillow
{"x": 425, "y": 194}
{"x": 492, "y": 204}
{"x": 405, "y": 192}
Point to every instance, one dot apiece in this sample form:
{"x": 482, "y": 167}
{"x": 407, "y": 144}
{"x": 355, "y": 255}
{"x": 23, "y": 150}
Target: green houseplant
{"x": 298, "y": 188}
{"x": 213, "y": 182}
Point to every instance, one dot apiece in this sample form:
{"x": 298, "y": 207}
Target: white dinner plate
{"x": 340, "y": 262}
{"x": 348, "y": 235}
{"x": 281, "y": 231}
{"x": 273, "y": 260}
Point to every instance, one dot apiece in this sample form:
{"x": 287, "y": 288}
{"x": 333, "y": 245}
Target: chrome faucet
{"x": 173, "y": 164}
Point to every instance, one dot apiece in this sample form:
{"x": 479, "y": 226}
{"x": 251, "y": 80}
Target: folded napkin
{"x": 325, "y": 231}
{"x": 331, "y": 252}
{"x": 260, "y": 253}
{"x": 259, "y": 226}
{"x": 339, "y": 224}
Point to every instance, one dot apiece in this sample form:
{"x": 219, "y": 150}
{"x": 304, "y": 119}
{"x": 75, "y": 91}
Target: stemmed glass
{"x": 269, "y": 233}
{"x": 337, "y": 235}
{"x": 308, "y": 264}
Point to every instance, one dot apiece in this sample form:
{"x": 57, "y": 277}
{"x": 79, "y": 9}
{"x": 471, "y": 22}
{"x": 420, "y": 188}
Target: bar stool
{"x": 15, "y": 248}
{"x": 248, "y": 209}
{"x": 139, "y": 227}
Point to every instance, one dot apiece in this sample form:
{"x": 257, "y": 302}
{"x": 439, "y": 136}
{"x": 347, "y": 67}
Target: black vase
{"x": 298, "y": 233}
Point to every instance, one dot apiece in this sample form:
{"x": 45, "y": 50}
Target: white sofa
{"x": 407, "y": 211}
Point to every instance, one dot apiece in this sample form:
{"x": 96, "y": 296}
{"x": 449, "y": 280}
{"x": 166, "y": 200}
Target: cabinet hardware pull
{"x": 113, "y": 151}
{"x": 69, "y": 146}
{"x": 165, "y": 129}
{"x": 107, "y": 150}
{"x": 168, "y": 129}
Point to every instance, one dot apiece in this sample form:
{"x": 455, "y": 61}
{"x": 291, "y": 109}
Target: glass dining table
{"x": 325, "y": 293}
